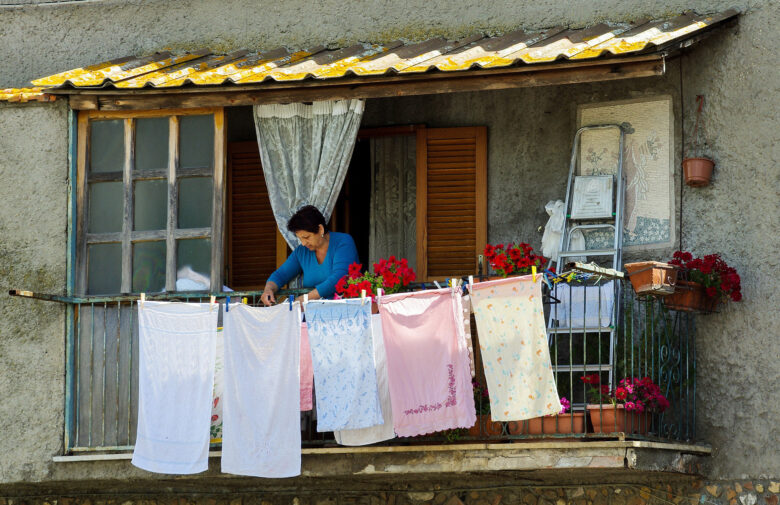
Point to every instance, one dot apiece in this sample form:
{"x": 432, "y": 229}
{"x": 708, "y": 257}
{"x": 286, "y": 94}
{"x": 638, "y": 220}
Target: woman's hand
{"x": 268, "y": 297}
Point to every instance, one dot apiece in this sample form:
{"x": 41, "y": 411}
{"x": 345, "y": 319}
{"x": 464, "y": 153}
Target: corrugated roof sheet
{"x": 25, "y": 95}
{"x": 202, "y": 67}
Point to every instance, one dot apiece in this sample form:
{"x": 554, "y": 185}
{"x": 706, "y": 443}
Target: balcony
{"x": 636, "y": 337}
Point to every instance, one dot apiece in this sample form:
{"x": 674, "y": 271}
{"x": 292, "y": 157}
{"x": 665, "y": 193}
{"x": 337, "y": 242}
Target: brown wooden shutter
{"x": 451, "y": 200}
{"x": 252, "y": 232}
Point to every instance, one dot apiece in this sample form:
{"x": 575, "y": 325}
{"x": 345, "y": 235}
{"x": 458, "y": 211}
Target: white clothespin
{"x": 305, "y": 299}
{"x": 533, "y": 272}
{"x": 143, "y": 299}
{"x": 471, "y": 282}
{"x": 378, "y": 294}
{"x": 362, "y": 296}
{"x": 437, "y": 284}
{"x": 212, "y": 302}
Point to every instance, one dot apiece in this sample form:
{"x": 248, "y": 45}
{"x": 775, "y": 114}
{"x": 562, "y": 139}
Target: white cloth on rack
{"x": 583, "y": 301}
{"x": 261, "y": 435}
{"x": 382, "y": 432}
{"x": 551, "y": 239}
{"x": 177, "y": 346}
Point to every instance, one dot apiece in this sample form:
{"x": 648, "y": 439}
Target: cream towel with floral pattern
{"x": 513, "y": 343}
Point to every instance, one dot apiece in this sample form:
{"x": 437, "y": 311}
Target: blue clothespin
{"x": 227, "y": 305}
{"x": 290, "y": 299}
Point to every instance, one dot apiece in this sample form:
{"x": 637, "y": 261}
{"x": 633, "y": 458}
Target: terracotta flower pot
{"x": 690, "y": 297}
{"x": 608, "y": 418}
{"x": 560, "y": 424}
{"x": 697, "y": 171}
{"x": 652, "y": 277}
{"x": 485, "y": 427}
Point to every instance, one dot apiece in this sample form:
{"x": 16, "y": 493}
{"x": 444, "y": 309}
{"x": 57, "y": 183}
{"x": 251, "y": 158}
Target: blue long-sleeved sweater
{"x": 341, "y": 253}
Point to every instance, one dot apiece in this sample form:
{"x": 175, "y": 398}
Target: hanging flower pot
{"x": 697, "y": 171}
{"x": 652, "y": 277}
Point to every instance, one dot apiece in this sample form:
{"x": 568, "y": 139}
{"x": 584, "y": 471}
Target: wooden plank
{"x": 481, "y": 194}
{"x": 127, "y": 218}
{"x": 606, "y": 70}
{"x": 173, "y": 210}
{"x": 82, "y": 145}
{"x": 218, "y": 205}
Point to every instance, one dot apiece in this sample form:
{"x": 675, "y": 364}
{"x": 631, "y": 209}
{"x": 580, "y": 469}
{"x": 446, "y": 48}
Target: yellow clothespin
{"x": 244, "y": 300}
{"x": 533, "y": 272}
{"x": 143, "y": 299}
{"x": 362, "y": 296}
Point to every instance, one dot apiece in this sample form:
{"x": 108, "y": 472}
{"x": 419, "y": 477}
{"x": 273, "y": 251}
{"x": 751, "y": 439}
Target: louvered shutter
{"x": 252, "y": 233}
{"x": 451, "y": 200}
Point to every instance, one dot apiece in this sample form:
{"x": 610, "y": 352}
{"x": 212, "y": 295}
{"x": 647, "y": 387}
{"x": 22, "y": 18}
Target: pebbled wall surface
{"x": 530, "y": 129}
{"x": 33, "y": 232}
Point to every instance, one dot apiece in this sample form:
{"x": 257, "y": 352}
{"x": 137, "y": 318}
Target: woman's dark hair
{"x": 308, "y": 218}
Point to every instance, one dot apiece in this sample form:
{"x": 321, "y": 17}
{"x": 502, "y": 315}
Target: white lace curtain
{"x": 305, "y": 150}
{"x": 393, "y": 199}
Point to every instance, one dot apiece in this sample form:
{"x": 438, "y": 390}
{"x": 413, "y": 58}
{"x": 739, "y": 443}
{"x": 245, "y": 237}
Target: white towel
{"x": 382, "y": 432}
{"x": 177, "y": 344}
{"x": 583, "y": 301}
{"x": 261, "y": 434}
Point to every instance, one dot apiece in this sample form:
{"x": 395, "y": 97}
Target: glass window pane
{"x": 104, "y": 269}
{"x": 195, "y": 253}
{"x": 107, "y": 146}
{"x": 150, "y": 208}
{"x": 196, "y": 141}
{"x": 106, "y": 206}
{"x": 149, "y": 266}
{"x": 195, "y": 202}
{"x": 151, "y": 143}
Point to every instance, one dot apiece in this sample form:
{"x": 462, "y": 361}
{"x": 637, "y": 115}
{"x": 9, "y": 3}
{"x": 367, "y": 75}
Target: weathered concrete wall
{"x": 49, "y": 39}
{"x": 736, "y": 216}
{"x": 33, "y": 233}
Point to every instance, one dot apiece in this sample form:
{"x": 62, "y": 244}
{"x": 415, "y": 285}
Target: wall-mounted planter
{"x": 690, "y": 297}
{"x": 697, "y": 171}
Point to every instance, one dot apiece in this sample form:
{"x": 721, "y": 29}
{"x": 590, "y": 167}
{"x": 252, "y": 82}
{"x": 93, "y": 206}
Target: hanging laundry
{"x": 219, "y": 381}
{"x": 513, "y": 343}
{"x": 307, "y": 372}
{"x": 466, "y": 302}
{"x": 588, "y": 305}
{"x": 427, "y": 361}
{"x": 343, "y": 359}
{"x": 176, "y": 346}
{"x": 382, "y": 432}
{"x": 261, "y": 435}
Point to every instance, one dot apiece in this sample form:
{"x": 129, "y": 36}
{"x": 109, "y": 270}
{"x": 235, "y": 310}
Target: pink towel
{"x": 427, "y": 362}
{"x": 307, "y": 371}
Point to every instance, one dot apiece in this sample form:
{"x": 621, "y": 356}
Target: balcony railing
{"x": 642, "y": 339}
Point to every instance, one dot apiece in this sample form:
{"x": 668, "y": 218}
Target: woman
{"x": 323, "y": 257}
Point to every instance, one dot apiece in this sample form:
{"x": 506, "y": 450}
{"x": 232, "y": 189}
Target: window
{"x": 150, "y": 191}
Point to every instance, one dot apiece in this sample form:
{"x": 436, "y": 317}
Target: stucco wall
{"x": 737, "y": 216}
{"x": 530, "y": 135}
{"x": 33, "y": 221}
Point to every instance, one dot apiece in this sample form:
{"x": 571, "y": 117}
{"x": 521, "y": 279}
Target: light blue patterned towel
{"x": 343, "y": 358}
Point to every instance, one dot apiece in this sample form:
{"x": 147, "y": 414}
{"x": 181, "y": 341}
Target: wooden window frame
{"x": 128, "y": 176}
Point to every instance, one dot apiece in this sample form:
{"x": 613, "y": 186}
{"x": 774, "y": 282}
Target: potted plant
{"x": 697, "y": 170}
{"x": 392, "y": 275}
{"x": 707, "y": 281}
{"x": 484, "y": 427}
{"x": 624, "y": 409}
{"x": 512, "y": 259}
{"x": 562, "y": 423}
{"x": 652, "y": 277}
